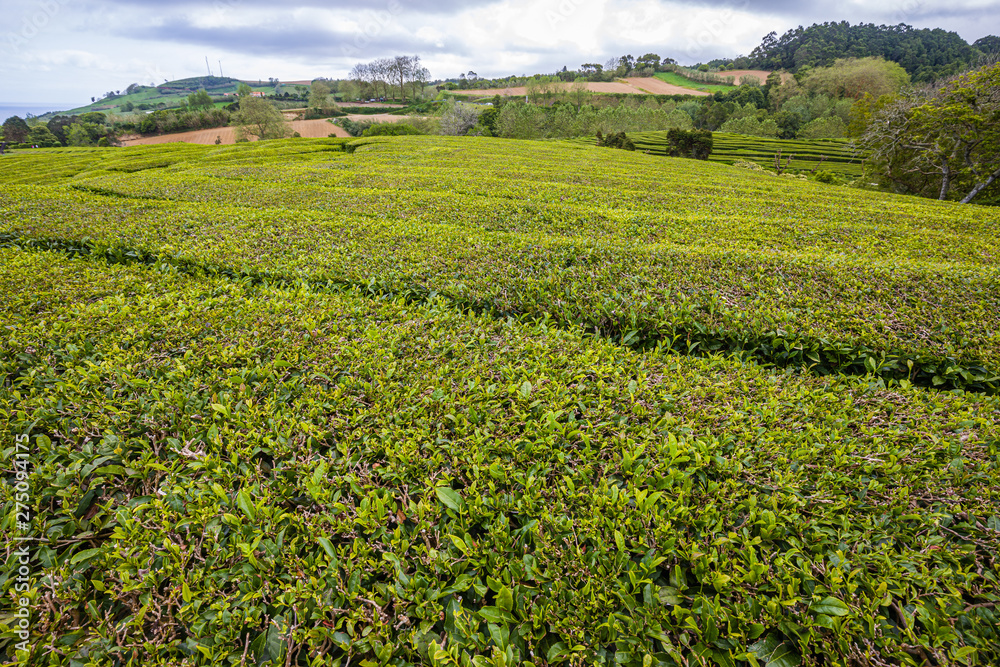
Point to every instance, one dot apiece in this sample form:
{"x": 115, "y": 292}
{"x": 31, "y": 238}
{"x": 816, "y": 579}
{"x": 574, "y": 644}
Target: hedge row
{"x": 226, "y": 473}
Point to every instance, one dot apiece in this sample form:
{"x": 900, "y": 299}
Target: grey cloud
{"x": 288, "y": 40}
{"x": 969, "y": 21}
{"x": 393, "y": 6}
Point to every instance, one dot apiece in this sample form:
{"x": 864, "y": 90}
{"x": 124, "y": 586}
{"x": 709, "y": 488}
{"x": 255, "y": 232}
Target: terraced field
{"x": 833, "y": 155}
{"x": 468, "y": 401}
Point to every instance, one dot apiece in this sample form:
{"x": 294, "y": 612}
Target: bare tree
{"x": 937, "y": 139}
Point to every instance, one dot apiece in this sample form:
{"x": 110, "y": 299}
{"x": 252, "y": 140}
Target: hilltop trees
{"x": 941, "y": 141}
{"x": 200, "y": 100}
{"x": 925, "y": 54}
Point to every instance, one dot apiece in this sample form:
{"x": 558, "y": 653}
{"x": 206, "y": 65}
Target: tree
{"x": 458, "y": 118}
{"x": 989, "y": 45}
{"x": 401, "y": 69}
{"x": 696, "y": 144}
{"x": 751, "y": 126}
{"x": 520, "y": 121}
{"x": 244, "y": 90}
{"x": 41, "y": 136}
{"x": 59, "y": 125}
{"x": 938, "y": 141}
{"x": 827, "y": 127}
{"x": 788, "y": 124}
{"x": 259, "y": 118}
{"x": 856, "y": 77}
{"x": 579, "y": 92}
{"x": 15, "y": 130}
{"x": 488, "y": 121}
{"x": 773, "y": 81}
{"x": 200, "y": 100}
{"x": 78, "y": 135}
{"x": 319, "y": 94}
{"x": 648, "y": 60}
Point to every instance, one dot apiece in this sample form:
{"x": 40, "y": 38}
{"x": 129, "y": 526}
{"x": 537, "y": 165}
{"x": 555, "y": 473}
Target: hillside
{"x": 468, "y": 401}
{"x": 169, "y": 94}
{"x": 924, "y": 53}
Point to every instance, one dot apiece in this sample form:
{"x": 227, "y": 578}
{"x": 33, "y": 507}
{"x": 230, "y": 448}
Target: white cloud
{"x": 58, "y": 49}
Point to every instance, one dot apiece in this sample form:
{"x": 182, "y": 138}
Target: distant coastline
{"x": 8, "y": 109}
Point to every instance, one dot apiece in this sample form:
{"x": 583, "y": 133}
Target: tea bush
{"x": 418, "y": 400}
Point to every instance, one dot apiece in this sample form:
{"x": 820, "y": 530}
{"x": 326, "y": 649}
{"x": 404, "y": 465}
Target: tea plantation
{"x": 833, "y": 155}
{"x": 430, "y": 401}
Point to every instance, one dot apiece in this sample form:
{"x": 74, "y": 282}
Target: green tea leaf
{"x": 831, "y": 607}
{"x": 450, "y": 498}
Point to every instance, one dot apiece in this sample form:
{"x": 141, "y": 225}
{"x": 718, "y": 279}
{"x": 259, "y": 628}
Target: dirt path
{"x": 313, "y": 129}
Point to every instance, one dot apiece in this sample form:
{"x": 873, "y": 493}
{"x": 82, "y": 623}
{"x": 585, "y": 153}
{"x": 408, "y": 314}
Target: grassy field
{"x": 467, "y": 401}
{"x": 678, "y": 80}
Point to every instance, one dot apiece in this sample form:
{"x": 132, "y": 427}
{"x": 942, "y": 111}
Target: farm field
{"x": 307, "y": 128}
{"x": 675, "y": 79}
{"x": 425, "y": 400}
{"x": 632, "y": 86}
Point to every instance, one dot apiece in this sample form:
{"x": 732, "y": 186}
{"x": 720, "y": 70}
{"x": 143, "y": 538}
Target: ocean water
{"x": 8, "y": 109}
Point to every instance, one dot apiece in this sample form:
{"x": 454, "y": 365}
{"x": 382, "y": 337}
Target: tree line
{"x": 391, "y": 78}
{"x": 924, "y": 53}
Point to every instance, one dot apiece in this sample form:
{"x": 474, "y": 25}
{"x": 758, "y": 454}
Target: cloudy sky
{"x": 56, "y": 51}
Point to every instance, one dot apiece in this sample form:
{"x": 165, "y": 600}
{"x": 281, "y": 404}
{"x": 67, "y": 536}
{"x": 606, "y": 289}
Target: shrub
{"x": 390, "y": 130}
{"x": 354, "y": 128}
{"x": 312, "y": 114}
{"x": 749, "y": 166}
{"x": 615, "y": 140}
{"x": 827, "y": 176}
{"x": 696, "y": 144}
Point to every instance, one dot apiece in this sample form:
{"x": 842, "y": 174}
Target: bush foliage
{"x": 695, "y": 144}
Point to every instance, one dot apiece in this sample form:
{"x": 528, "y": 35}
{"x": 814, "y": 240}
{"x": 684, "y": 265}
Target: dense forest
{"x": 925, "y": 54}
